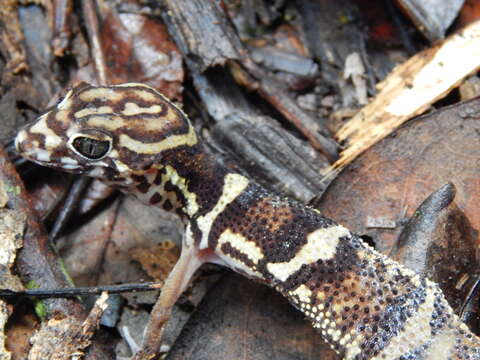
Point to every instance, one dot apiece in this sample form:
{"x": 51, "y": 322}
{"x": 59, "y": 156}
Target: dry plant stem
{"x": 92, "y": 322}
{"x": 271, "y": 91}
{"x": 370, "y": 75}
{"x": 69, "y": 205}
{"x": 401, "y": 27}
{"x": 79, "y": 291}
{"x": 62, "y": 11}
{"x": 92, "y": 25}
{"x": 109, "y": 225}
{"x": 312, "y": 131}
{"x": 174, "y": 286}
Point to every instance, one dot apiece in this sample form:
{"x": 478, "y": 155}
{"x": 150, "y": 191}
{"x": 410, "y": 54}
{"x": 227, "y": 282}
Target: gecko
{"x": 365, "y": 305}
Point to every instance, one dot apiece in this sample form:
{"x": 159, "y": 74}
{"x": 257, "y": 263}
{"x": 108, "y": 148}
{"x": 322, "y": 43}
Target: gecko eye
{"x": 92, "y": 149}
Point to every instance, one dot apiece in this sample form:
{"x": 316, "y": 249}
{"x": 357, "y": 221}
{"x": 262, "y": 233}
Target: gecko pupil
{"x": 91, "y": 148}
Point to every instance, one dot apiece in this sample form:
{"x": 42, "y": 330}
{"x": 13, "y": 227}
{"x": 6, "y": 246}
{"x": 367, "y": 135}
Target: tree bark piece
{"x": 206, "y": 39}
{"x": 38, "y": 265}
{"x": 432, "y": 17}
{"x": 410, "y": 89}
{"x": 240, "y": 319}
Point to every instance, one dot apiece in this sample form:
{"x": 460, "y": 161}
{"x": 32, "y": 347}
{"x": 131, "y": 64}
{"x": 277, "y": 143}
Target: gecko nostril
{"x": 21, "y": 141}
{"x": 24, "y": 145}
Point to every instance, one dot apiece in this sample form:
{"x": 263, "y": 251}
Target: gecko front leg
{"x": 191, "y": 259}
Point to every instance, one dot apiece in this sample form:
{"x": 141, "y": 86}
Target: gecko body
{"x": 365, "y": 305}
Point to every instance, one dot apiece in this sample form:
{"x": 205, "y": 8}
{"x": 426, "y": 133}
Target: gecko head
{"x": 108, "y": 132}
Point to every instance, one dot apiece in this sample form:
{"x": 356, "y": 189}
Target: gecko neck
{"x": 189, "y": 183}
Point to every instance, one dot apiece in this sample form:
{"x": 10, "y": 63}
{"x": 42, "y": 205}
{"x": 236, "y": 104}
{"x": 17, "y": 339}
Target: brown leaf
{"x": 392, "y": 178}
{"x": 240, "y": 319}
{"x": 138, "y": 48}
{"x": 158, "y": 260}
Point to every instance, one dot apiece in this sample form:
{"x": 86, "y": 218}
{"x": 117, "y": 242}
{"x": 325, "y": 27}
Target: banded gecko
{"x": 365, "y": 305}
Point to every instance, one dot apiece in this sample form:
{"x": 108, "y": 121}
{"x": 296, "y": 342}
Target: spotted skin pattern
{"x": 365, "y": 305}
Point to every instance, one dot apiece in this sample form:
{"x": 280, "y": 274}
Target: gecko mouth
{"x": 44, "y": 158}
